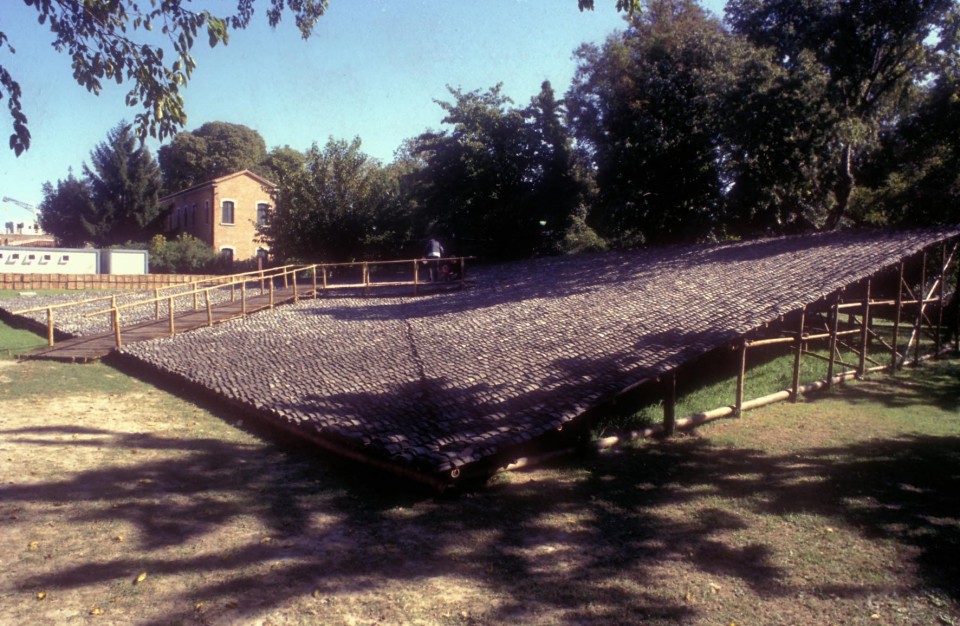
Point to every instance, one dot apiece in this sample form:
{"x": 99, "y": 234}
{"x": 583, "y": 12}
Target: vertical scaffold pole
{"x": 894, "y": 354}
{"x": 834, "y": 328}
{"x": 920, "y": 297}
{"x": 741, "y": 375}
{"x": 943, "y": 279}
{"x": 795, "y": 391}
{"x": 670, "y": 404}
{"x": 864, "y": 333}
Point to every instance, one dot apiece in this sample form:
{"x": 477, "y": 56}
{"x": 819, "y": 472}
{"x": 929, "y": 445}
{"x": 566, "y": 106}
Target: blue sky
{"x": 371, "y": 69}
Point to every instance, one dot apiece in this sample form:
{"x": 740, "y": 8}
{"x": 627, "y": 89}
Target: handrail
{"x": 221, "y": 282}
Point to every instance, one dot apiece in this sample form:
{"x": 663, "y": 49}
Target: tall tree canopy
{"x": 501, "y": 180}
{"x": 213, "y": 150}
{"x": 113, "y": 40}
{"x": 116, "y": 201}
{"x": 328, "y": 208}
{"x": 645, "y": 107}
{"x": 872, "y": 57}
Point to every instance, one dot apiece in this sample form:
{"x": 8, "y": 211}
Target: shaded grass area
{"x": 15, "y": 340}
{"x": 839, "y": 509}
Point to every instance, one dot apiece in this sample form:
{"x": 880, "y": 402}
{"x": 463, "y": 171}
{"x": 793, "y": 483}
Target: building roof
{"x": 216, "y": 181}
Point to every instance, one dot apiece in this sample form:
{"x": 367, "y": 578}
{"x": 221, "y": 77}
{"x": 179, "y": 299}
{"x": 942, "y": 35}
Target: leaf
{"x": 142, "y": 577}
{"x": 41, "y": 595}
{"x": 96, "y": 611}
{"x": 33, "y": 545}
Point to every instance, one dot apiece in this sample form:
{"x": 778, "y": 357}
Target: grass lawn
{"x": 123, "y": 504}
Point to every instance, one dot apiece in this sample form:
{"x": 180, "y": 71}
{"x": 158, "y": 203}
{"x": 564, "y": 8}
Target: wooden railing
{"x": 321, "y": 278}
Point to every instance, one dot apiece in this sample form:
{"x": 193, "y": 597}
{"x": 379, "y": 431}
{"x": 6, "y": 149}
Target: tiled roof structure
{"x": 439, "y": 382}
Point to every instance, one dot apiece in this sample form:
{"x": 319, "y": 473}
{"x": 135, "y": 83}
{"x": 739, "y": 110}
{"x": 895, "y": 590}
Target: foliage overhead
{"x": 145, "y": 44}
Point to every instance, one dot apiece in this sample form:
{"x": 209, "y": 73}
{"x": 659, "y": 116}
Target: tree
{"x": 125, "y": 183}
{"x": 115, "y": 201}
{"x": 872, "y": 57}
{"x": 475, "y": 180}
{"x": 326, "y": 210}
{"x": 67, "y": 211}
{"x": 645, "y": 106}
{"x": 213, "y": 150}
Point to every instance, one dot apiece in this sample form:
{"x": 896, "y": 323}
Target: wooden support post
{"x": 894, "y": 355}
{"x": 116, "y": 327}
{"x": 864, "y": 333}
{"x": 296, "y": 296}
{"x": 920, "y": 297}
{"x": 196, "y": 296}
{"x": 261, "y": 277}
{"x": 285, "y": 284}
{"x": 366, "y": 278}
{"x": 463, "y": 271}
{"x": 173, "y": 327}
{"x": 416, "y": 277}
{"x": 113, "y": 305}
{"x": 314, "y": 282}
{"x": 156, "y": 303}
{"x": 206, "y": 294}
{"x": 956, "y": 296}
{"x": 50, "y": 326}
{"x": 834, "y": 328}
{"x": 323, "y": 273}
{"x": 670, "y": 404}
{"x": 233, "y": 289}
{"x": 243, "y": 299}
{"x": 795, "y": 392}
{"x": 741, "y": 375}
{"x": 943, "y": 277}
{"x": 271, "y": 293}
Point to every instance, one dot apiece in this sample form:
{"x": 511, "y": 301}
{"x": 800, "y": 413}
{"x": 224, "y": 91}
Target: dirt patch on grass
{"x": 841, "y": 510}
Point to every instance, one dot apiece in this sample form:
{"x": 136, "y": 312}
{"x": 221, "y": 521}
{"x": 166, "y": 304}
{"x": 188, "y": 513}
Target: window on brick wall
{"x": 226, "y": 212}
{"x": 263, "y": 210}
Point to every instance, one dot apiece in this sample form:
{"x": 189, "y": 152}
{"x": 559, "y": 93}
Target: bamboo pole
{"x": 113, "y": 305}
{"x": 156, "y": 303}
{"x": 173, "y": 329}
{"x": 416, "y": 278}
{"x": 116, "y": 327}
{"x": 296, "y": 296}
{"x": 741, "y": 374}
{"x": 894, "y": 354}
{"x": 834, "y": 328}
{"x": 233, "y": 290}
{"x": 669, "y": 404}
{"x": 769, "y": 342}
{"x": 366, "y": 279}
{"x": 243, "y": 299}
{"x": 314, "y": 282}
{"x": 795, "y": 389}
{"x": 943, "y": 277}
{"x": 50, "y": 326}
{"x": 285, "y": 285}
{"x": 261, "y": 282}
{"x": 206, "y": 294}
{"x": 271, "y": 293}
{"x": 919, "y": 324}
{"x": 196, "y": 296}
{"x": 323, "y": 271}
{"x": 864, "y": 332}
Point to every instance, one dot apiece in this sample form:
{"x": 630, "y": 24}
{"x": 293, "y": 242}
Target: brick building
{"x": 224, "y": 212}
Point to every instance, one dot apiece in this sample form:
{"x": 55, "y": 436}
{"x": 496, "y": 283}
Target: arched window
{"x": 226, "y": 212}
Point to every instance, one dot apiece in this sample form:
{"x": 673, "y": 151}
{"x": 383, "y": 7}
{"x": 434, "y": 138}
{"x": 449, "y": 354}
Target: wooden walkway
{"x": 95, "y": 347}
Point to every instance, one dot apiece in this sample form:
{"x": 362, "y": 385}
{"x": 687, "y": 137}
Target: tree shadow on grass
{"x": 258, "y": 528}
